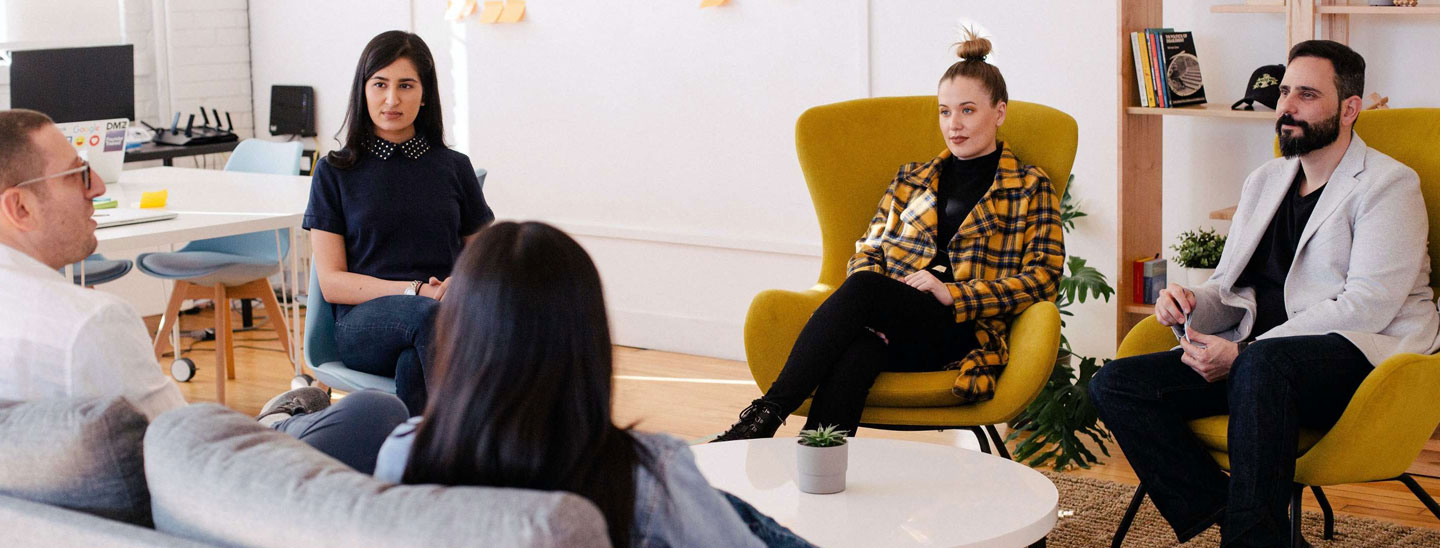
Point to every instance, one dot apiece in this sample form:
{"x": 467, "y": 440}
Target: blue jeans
{"x": 1275, "y": 388}
{"x": 390, "y": 337}
{"x": 352, "y": 430}
{"x": 766, "y": 529}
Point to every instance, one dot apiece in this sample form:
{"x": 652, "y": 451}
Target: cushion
{"x": 28, "y": 523}
{"x": 217, "y": 476}
{"x": 78, "y": 453}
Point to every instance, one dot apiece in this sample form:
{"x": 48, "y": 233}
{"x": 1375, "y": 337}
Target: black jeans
{"x": 390, "y": 337}
{"x": 1276, "y": 387}
{"x": 352, "y": 430}
{"x": 838, "y": 355}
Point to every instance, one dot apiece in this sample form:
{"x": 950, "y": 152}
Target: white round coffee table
{"x": 898, "y": 493}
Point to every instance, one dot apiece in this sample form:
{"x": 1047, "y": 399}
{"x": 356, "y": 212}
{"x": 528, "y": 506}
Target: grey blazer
{"x": 1361, "y": 269}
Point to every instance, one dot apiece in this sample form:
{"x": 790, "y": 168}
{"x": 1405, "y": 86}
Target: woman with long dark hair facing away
{"x": 959, "y": 246}
{"x": 388, "y": 215}
{"x": 522, "y": 399}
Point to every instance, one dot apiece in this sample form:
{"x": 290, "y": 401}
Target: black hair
{"x": 1349, "y": 65}
{"x": 384, "y": 49}
{"x": 522, "y": 386}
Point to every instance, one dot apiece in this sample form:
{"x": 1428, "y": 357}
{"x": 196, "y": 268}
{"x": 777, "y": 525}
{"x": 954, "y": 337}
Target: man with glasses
{"x": 60, "y": 340}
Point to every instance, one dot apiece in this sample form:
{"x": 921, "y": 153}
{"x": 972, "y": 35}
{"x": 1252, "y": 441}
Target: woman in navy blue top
{"x": 389, "y": 213}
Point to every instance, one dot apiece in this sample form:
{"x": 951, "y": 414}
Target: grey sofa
{"x": 213, "y": 477}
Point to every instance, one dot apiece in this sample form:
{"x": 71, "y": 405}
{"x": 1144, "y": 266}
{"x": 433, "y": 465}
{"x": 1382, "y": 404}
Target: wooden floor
{"x": 693, "y": 397}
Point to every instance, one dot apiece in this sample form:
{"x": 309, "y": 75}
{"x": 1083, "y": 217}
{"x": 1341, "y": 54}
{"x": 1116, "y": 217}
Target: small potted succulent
{"x": 1199, "y": 253}
{"x": 821, "y": 460}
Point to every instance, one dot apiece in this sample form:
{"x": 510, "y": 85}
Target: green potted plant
{"x": 1199, "y": 253}
{"x": 821, "y": 460}
{"x": 1052, "y": 426}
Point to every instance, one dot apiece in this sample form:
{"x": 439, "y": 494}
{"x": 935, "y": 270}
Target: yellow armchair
{"x": 849, "y": 153}
{"x": 1394, "y": 411}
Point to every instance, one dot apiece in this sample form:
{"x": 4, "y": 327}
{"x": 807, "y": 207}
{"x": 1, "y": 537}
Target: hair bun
{"x": 973, "y": 47}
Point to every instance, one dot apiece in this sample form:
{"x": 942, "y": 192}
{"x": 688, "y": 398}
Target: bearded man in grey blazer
{"x": 1325, "y": 274}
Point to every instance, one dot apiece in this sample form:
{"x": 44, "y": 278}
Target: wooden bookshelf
{"x": 1210, "y": 110}
{"x": 1377, "y": 10}
{"x": 1223, "y": 214}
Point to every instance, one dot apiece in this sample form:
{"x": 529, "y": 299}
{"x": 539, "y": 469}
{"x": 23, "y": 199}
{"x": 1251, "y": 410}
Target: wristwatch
{"x": 414, "y": 288}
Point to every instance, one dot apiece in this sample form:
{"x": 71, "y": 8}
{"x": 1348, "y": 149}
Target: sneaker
{"x": 307, "y": 399}
{"x": 760, "y": 420}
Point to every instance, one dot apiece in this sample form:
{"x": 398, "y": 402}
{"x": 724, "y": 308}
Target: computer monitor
{"x": 75, "y": 84}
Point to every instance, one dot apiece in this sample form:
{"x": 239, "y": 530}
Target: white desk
{"x": 210, "y": 204}
{"x": 897, "y": 494}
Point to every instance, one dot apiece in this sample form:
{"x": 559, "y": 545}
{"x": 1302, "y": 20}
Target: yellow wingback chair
{"x": 1394, "y": 411}
{"x": 849, "y": 153}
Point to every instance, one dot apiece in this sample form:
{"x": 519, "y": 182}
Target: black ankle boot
{"x": 760, "y": 420}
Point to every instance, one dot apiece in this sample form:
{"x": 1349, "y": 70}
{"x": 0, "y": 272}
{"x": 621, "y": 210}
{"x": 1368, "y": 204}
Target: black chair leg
{"x": 1325, "y": 508}
{"x": 999, "y": 441}
{"x": 1296, "y": 541}
{"x": 1420, "y": 494}
{"x": 1038, "y": 544}
{"x": 1129, "y": 516}
{"x": 982, "y": 437}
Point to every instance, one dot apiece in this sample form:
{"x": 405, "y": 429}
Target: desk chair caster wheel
{"x": 182, "y": 370}
{"x": 301, "y": 381}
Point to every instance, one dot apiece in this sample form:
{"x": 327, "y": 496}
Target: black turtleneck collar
{"x": 979, "y": 165}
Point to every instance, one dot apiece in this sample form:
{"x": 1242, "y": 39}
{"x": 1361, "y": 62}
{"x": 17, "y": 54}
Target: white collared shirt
{"x": 58, "y": 339}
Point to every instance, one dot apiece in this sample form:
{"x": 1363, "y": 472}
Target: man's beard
{"x": 1311, "y": 138}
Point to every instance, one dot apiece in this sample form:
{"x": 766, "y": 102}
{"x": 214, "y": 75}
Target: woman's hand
{"x": 1208, "y": 355}
{"x": 435, "y": 289}
{"x": 927, "y": 282}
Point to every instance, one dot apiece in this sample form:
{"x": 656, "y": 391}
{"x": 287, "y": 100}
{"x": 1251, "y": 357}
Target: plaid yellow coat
{"x": 1007, "y": 254}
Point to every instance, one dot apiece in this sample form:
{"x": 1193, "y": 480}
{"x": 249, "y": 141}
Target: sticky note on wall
{"x": 491, "y": 12}
{"x": 712, "y": 3}
{"x": 514, "y": 11}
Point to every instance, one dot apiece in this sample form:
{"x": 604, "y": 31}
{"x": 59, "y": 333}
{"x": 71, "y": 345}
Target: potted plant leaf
{"x": 1050, "y": 429}
{"x": 821, "y": 460}
{"x": 1199, "y": 253}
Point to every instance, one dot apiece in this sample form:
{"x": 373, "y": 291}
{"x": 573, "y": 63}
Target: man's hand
{"x": 1208, "y": 355}
{"x": 927, "y": 282}
{"x": 1173, "y": 305}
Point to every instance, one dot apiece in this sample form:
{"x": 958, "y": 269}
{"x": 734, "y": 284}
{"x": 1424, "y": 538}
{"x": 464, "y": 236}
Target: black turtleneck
{"x": 962, "y": 184}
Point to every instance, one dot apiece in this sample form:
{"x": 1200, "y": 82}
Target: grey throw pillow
{"x": 84, "y": 454}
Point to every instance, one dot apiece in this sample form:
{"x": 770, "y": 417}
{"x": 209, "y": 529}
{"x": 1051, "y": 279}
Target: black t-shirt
{"x": 403, "y": 209}
{"x": 1270, "y": 264}
{"x": 962, "y": 184}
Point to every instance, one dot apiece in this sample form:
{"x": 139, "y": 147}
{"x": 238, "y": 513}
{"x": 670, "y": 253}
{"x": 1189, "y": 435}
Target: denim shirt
{"x": 674, "y": 505}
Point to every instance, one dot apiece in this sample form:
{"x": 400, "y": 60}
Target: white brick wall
{"x": 208, "y": 59}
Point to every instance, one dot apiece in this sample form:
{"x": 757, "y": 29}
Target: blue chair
{"x": 98, "y": 270}
{"x": 230, "y": 267}
{"x": 322, "y": 354}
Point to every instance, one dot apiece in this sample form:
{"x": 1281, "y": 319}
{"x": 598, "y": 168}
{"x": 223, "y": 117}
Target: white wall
{"x": 315, "y": 44}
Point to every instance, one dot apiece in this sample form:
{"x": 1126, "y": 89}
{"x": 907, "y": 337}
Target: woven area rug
{"x": 1098, "y": 506}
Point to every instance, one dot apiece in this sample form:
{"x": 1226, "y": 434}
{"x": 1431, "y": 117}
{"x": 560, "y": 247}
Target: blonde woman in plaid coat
{"x": 910, "y": 304}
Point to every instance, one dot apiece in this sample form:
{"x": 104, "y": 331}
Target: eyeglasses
{"x": 83, "y": 170}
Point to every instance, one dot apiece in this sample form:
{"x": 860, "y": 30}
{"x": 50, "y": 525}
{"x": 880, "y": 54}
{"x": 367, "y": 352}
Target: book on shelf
{"x": 1183, "y": 84}
{"x": 1167, "y": 68}
{"x": 1149, "y": 279}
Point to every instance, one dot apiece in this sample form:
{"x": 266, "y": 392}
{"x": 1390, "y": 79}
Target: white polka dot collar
{"x": 412, "y": 149}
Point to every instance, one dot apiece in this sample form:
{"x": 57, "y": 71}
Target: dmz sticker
{"x": 114, "y": 140}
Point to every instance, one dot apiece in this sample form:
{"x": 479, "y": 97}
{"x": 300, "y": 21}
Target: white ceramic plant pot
{"x": 821, "y": 470}
{"x": 1197, "y": 276}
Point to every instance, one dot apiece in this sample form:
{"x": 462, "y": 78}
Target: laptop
{"x": 100, "y": 142}
{"x": 120, "y": 216}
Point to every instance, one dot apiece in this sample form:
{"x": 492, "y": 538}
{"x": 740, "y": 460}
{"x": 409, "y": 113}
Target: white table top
{"x": 207, "y": 203}
{"x": 898, "y": 493}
